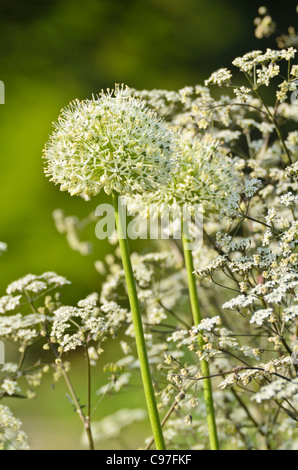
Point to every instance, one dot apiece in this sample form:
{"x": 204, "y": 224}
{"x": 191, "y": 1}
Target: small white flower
{"x": 220, "y": 77}
{"x": 260, "y": 315}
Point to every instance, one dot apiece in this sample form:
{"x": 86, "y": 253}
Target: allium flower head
{"x": 205, "y": 176}
{"x": 111, "y": 142}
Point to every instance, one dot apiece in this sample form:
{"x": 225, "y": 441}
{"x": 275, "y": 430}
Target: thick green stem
{"x": 138, "y": 327}
{"x": 207, "y": 385}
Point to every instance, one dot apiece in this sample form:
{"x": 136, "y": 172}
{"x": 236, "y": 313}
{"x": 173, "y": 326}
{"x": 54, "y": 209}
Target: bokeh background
{"x": 51, "y": 53}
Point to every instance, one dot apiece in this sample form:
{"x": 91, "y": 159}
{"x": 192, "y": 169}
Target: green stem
{"x": 207, "y": 385}
{"x": 138, "y": 327}
{"x": 274, "y": 122}
{"x": 77, "y": 405}
{"x": 88, "y": 417}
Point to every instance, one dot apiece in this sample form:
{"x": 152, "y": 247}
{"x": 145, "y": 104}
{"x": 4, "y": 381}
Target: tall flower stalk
{"x": 116, "y": 144}
{"x": 196, "y": 313}
{"x": 138, "y": 327}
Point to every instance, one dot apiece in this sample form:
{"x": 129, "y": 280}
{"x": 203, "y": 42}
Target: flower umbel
{"x": 111, "y": 142}
{"x": 205, "y": 176}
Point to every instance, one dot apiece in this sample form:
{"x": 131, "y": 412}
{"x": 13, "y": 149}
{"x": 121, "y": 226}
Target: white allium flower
{"x": 111, "y": 142}
{"x": 205, "y": 177}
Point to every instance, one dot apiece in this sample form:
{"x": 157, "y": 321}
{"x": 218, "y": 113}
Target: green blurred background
{"x": 54, "y": 51}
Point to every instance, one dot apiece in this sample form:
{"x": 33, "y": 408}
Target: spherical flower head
{"x": 111, "y": 142}
{"x": 205, "y": 176}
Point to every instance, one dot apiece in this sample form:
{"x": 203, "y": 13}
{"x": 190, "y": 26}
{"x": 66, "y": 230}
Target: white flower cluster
{"x": 25, "y": 328}
{"x": 112, "y": 142}
{"x": 11, "y": 435}
{"x": 251, "y": 187}
{"x": 280, "y": 389}
{"x": 76, "y": 326}
{"x": 207, "y": 324}
{"x": 22, "y": 330}
{"x": 266, "y": 60}
{"x": 10, "y": 387}
{"x": 33, "y": 284}
{"x": 9, "y": 302}
{"x": 260, "y": 315}
{"x": 206, "y": 176}
{"x": 288, "y": 199}
{"x": 220, "y": 77}
{"x": 208, "y": 271}
{"x": 242, "y": 93}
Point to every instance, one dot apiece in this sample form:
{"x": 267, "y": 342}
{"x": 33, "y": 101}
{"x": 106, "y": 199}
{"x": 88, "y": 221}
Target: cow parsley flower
{"x": 290, "y": 313}
{"x": 21, "y": 329}
{"x": 37, "y": 284}
{"x": 10, "y": 386}
{"x": 261, "y": 315}
{"x": 288, "y": 199}
{"x": 279, "y": 389}
{"x": 220, "y": 77}
{"x": 9, "y": 302}
{"x": 11, "y": 434}
{"x": 207, "y": 324}
{"x": 253, "y": 59}
{"x": 242, "y": 93}
{"x": 111, "y": 142}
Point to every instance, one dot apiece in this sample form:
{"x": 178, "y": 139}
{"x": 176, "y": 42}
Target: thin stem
{"x": 88, "y": 417}
{"x": 245, "y": 216}
{"x": 74, "y": 399}
{"x": 138, "y": 327}
{"x": 207, "y": 385}
{"x": 239, "y": 104}
{"x": 274, "y": 122}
